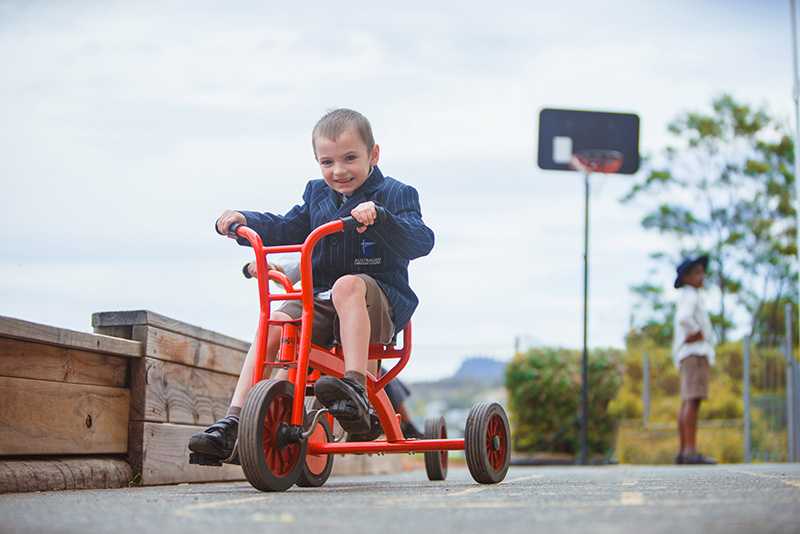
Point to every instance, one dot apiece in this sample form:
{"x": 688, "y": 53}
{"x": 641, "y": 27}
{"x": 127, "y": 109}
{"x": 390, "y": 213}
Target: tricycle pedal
{"x": 204, "y": 459}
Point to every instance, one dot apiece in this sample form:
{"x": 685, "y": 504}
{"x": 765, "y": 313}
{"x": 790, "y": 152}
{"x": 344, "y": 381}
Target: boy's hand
{"x": 252, "y": 270}
{"x": 228, "y": 218}
{"x": 697, "y": 336}
{"x": 366, "y": 213}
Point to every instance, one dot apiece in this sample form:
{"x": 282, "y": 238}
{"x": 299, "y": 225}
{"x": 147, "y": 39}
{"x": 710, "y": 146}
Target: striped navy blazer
{"x": 382, "y": 251}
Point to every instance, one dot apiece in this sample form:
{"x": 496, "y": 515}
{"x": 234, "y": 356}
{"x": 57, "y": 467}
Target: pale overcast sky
{"x": 127, "y": 127}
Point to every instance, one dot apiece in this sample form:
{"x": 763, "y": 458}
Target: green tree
{"x": 728, "y": 179}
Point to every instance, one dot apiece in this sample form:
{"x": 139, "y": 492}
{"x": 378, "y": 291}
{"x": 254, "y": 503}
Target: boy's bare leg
{"x": 218, "y": 440}
{"x": 246, "y": 375}
{"x": 347, "y": 398}
{"x": 350, "y": 300}
{"x": 690, "y": 425}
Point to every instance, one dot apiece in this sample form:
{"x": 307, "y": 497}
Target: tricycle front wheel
{"x": 487, "y": 441}
{"x": 267, "y": 462}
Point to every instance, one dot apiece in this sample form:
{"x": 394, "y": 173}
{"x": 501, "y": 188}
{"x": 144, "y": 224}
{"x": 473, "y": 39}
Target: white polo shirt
{"x": 691, "y": 316}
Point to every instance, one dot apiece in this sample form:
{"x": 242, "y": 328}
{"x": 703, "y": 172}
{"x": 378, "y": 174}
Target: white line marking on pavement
{"x": 629, "y": 482}
{"x": 283, "y": 517}
{"x": 484, "y": 487}
{"x": 188, "y": 511}
{"x": 787, "y": 481}
{"x": 469, "y": 491}
{"x": 632, "y": 498}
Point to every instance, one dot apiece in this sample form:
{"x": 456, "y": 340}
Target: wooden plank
{"x": 169, "y": 346}
{"x": 18, "y": 475}
{"x": 164, "y": 456}
{"x": 170, "y": 392}
{"x": 146, "y": 317}
{"x": 42, "y": 417}
{"x": 19, "y": 329}
{"x": 28, "y": 359}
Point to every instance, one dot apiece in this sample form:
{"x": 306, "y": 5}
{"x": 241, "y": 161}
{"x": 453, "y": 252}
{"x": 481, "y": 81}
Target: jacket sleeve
{"x": 288, "y": 229}
{"x": 400, "y": 227}
{"x": 684, "y": 312}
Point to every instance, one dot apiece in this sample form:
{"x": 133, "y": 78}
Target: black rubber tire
{"x": 273, "y": 399}
{"x": 309, "y": 479}
{"x": 487, "y": 443}
{"x": 436, "y": 461}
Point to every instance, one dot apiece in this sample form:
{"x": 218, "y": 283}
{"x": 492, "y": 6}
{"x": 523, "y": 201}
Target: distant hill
{"x": 481, "y": 369}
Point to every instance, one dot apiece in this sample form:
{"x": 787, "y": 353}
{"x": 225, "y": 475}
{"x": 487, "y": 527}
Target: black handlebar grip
{"x": 232, "y": 230}
{"x": 350, "y": 223}
{"x": 245, "y": 271}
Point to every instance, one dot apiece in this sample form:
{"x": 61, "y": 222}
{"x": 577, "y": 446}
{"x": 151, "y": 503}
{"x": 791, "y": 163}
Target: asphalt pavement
{"x": 620, "y": 499}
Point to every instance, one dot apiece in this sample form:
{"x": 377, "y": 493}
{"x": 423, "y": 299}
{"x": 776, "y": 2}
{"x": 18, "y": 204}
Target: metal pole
{"x": 796, "y": 381}
{"x": 748, "y": 451}
{"x": 791, "y": 434}
{"x": 796, "y": 98}
{"x": 796, "y": 410}
{"x": 646, "y": 389}
{"x": 584, "y": 453}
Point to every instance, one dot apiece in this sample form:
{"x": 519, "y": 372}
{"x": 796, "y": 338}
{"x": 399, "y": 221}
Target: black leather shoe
{"x": 347, "y": 402}
{"x": 218, "y": 440}
{"x": 375, "y": 429}
{"x": 679, "y": 459}
{"x": 698, "y": 459}
{"x": 410, "y": 431}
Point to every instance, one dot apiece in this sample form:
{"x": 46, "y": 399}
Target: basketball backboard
{"x": 567, "y": 132}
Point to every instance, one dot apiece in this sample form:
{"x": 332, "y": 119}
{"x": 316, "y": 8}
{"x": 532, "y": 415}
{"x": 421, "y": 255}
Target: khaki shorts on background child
{"x": 694, "y": 377}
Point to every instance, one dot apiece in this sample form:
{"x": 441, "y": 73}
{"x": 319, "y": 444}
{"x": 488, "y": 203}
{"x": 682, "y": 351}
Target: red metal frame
{"x": 298, "y": 357}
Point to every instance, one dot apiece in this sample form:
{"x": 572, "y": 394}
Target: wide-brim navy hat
{"x": 686, "y": 265}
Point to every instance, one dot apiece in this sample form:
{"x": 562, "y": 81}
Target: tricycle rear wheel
{"x": 436, "y": 461}
{"x": 268, "y": 464}
{"x": 487, "y": 440}
{"x": 317, "y": 467}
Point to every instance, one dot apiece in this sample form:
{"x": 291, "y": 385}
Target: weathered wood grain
{"x": 19, "y": 329}
{"x": 169, "y": 346}
{"x": 18, "y": 475}
{"x": 41, "y": 361}
{"x": 146, "y": 317}
{"x": 164, "y": 456}
{"x": 175, "y": 393}
{"x": 43, "y": 417}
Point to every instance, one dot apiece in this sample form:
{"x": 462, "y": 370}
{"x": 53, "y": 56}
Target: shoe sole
{"x": 200, "y": 445}
{"x": 375, "y": 430}
{"x": 329, "y": 395}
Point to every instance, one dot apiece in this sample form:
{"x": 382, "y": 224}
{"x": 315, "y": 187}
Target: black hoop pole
{"x": 584, "y": 429}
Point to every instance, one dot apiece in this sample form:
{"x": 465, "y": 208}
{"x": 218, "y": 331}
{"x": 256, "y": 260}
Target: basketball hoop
{"x": 604, "y": 161}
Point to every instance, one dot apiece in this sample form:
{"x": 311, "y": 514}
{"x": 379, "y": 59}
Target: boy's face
{"x": 695, "y": 277}
{"x": 345, "y": 161}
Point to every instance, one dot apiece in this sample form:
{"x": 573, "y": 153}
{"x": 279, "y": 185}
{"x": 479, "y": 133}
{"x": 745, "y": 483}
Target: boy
{"x": 693, "y": 352}
{"x": 361, "y": 288}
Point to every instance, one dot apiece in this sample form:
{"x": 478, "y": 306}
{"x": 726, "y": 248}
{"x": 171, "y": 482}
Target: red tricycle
{"x": 284, "y": 441}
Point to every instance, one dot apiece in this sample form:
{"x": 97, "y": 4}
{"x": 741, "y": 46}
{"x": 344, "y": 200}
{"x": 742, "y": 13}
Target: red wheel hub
{"x": 496, "y": 442}
{"x": 280, "y": 460}
{"x": 316, "y": 462}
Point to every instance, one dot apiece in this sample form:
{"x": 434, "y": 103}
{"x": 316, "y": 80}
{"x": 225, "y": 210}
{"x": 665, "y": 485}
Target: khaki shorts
{"x": 326, "y": 322}
{"x": 694, "y": 377}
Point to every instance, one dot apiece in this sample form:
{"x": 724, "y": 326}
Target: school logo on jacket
{"x": 367, "y": 254}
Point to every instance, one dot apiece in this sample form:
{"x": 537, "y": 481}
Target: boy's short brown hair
{"x": 333, "y": 123}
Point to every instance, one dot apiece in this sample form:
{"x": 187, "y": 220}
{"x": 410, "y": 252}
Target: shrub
{"x": 544, "y": 399}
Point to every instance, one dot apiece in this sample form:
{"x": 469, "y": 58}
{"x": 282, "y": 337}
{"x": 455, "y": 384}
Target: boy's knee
{"x": 279, "y": 316}
{"x": 348, "y": 287}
